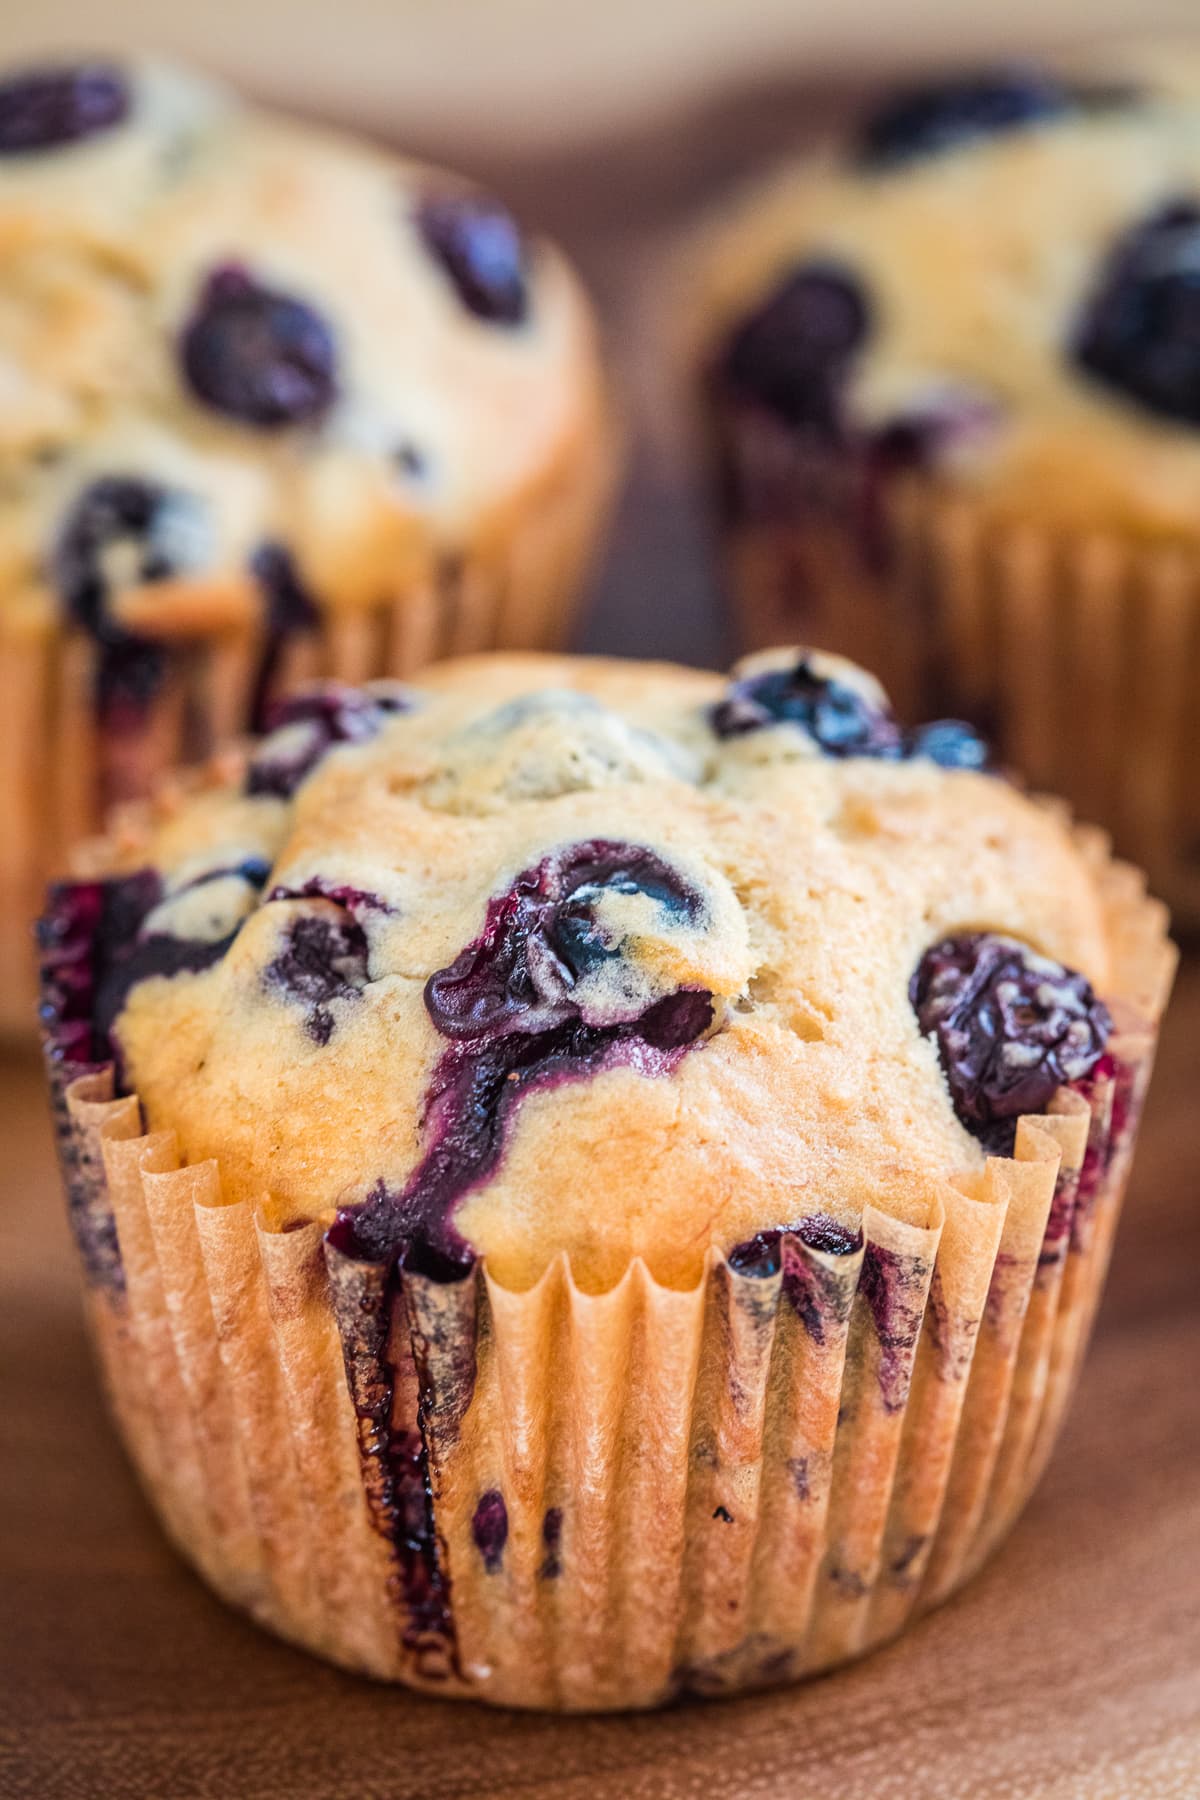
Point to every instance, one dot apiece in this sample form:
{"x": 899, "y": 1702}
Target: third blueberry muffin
{"x": 952, "y": 373}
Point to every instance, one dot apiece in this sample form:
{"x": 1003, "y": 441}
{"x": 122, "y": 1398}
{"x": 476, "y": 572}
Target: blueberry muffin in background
{"x": 951, "y": 382}
{"x": 275, "y": 405}
{"x": 593, "y": 1179}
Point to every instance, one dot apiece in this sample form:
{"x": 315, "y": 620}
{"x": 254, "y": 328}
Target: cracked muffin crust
{"x": 276, "y": 404}
{"x": 452, "y": 962}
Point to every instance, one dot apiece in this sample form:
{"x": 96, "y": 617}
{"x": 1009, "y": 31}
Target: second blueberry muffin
{"x": 593, "y": 1180}
{"x": 952, "y": 375}
{"x": 275, "y": 405}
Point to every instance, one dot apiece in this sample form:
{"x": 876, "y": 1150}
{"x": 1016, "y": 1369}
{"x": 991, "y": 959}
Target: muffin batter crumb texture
{"x": 463, "y": 992}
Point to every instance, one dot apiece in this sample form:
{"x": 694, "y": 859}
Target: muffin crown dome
{"x": 558, "y": 955}
{"x": 307, "y": 341}
{"x": 992, "y": 285}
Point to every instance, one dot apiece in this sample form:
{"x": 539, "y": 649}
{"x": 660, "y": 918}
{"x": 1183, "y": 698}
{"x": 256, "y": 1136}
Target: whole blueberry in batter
{"x": 257, "y": 354}
{"x": 45, "y": 108}
{"x": 1011, "y": 1028}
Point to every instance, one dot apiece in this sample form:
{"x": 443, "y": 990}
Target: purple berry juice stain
{"x": 893, "y": 1286}
{"x": 552, "y": 1527}
{"x": 148, "y": 533}
{"x": 816, "y": 1295}
{"x": 489, "y": 1529}
{"x": 304, "y": 727}
{"x": 289, "y": 612}
{"x": 508, "y": 1006}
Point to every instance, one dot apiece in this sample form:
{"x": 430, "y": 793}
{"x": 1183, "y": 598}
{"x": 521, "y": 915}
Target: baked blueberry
{"x": 1011, "y": 1028}
{"x": 304, "y": 726}
{"x": 760, "y": 1254}
{"x": 323, "y": 959}
{"x": 253, "y": 870}
{"x": 289, "y": 611}
{"x": 937, "y": 116}
{"x": 99, "y": 940}
{"x": 951, "y": 743}
{"x": 123, "y": 532}
{"x": 841, "y": 720}
{"x": 257, "y": 354}
{"x": 508, "y": 1004}
{"x": 480, "y": 247}
{"x": 542, "y": 937}
{"x": 1140, "y": 329}
{"x": 44, "y": 108}
{"x": 80, "y": 924}
{"x": 793, "y": 355}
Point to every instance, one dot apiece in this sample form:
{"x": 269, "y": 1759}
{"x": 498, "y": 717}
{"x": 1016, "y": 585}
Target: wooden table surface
{"x": 1070, "y": 1668}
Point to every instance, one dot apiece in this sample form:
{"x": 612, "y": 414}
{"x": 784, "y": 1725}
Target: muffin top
{"x": 557, "y": 954}
{"x": 996, "y": 282}
{"x": 231, "y": 345}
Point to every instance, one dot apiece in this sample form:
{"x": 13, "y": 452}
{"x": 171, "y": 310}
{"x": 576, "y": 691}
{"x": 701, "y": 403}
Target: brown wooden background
{"x": 1069, "y": 1670}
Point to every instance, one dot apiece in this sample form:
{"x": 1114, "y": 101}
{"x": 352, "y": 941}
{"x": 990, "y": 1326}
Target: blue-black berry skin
{"x": 480, "y": 249}
{"x": 1139, "y": 332}
{"x": 793, "y": 354}
{"x": 933, "y": 118}
{"x": 1011, "y": 1028}
{"x": 323, "y": 958}
{"x": 258, "y": 355}
{"x": 951, "y": 743}
{"x": 841, "y": 720}
{"x": 58, "y": 104}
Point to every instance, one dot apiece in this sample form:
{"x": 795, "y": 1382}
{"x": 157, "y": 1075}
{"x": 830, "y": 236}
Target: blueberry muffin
{"x": 951, "y": 375}
{"x": 275, "y": 405}
{"x": 593, "y": 1180}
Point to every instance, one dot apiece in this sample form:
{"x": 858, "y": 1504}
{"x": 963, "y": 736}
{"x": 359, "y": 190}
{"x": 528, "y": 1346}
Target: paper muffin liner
{"x": 564, "y": 1499}
{"x": 60, "y": 771}
{"x": 993, "y": 619}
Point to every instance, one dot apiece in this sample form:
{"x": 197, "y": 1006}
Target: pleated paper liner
{"x": 960, "y": 613}
{"x": 564, "y": 1499}
{"x": 59, "y": 772}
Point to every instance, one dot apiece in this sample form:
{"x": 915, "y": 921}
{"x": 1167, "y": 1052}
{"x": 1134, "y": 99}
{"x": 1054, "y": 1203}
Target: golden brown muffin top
{"x": 558, "y": 954}
{"x": 221, "y": 330}
{"x": 995, "y": 281}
